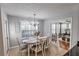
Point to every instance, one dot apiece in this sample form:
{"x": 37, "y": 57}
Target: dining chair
{"x": 54, "y": 38}
{"x": 46, "y": 44}
{"x": 22, "y": 47}
{"x": 37, "y": 47}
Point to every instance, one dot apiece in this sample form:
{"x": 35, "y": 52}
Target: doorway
{"x": 61, "y": 32}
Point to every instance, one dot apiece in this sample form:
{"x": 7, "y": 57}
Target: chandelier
{"x": 34, "y": 22}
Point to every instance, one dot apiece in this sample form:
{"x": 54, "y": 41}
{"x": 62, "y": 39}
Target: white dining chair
{"x": 38, "y": 47}
{"x": 46, "y": 44}
{"x": 22, "y": 47}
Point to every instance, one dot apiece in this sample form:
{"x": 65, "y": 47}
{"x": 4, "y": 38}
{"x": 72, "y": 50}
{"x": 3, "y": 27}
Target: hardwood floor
{"x": 54, "y": 50}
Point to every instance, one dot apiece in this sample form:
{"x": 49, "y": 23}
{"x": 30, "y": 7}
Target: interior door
{"x": 7, "y": 36}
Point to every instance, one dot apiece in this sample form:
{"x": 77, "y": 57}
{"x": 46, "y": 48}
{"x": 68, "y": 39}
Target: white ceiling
{"x": 43, "y": 10}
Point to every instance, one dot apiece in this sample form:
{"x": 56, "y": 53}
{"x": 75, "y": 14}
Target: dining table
{"x": 33, "y": 40}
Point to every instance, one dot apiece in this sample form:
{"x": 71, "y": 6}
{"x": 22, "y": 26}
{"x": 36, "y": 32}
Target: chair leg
{"x": 35, "y": 53}
{"x": 31, "y": 51}
{"x": 42, "y": 52}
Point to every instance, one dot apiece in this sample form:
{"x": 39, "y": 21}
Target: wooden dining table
{"x": 31, "y": 41}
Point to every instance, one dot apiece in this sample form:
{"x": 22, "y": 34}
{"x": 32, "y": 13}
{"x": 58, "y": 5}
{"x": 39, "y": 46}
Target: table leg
{"x": 28, "y": 50}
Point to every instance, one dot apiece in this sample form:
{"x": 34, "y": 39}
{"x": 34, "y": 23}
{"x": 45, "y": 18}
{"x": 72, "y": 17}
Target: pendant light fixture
{"x": 34, "y": 20}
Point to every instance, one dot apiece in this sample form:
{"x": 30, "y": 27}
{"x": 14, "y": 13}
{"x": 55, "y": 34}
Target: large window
{"x": 53, "y": 28}
{"x": 62, "y": 28}
{"x": 27, "y": 28}
{"x": 65, "y": 27}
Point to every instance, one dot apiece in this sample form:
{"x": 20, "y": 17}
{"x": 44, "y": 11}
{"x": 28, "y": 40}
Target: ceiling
{"x": 42, "y": 10}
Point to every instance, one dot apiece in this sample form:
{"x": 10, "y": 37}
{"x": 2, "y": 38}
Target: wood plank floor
{"x": 54, "y": 50}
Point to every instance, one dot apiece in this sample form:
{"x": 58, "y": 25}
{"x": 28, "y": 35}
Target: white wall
{"x": 78, "y": 24}
{"x": 1, "y": 37}
{"x": 74, "y": 15}
{"x": 41, "y": 27}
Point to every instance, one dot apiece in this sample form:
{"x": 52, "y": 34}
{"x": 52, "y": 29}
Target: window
{"x": 27, "y": 28}
{"x": 53, "y": 28}
{"x": 63, "y": 27}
